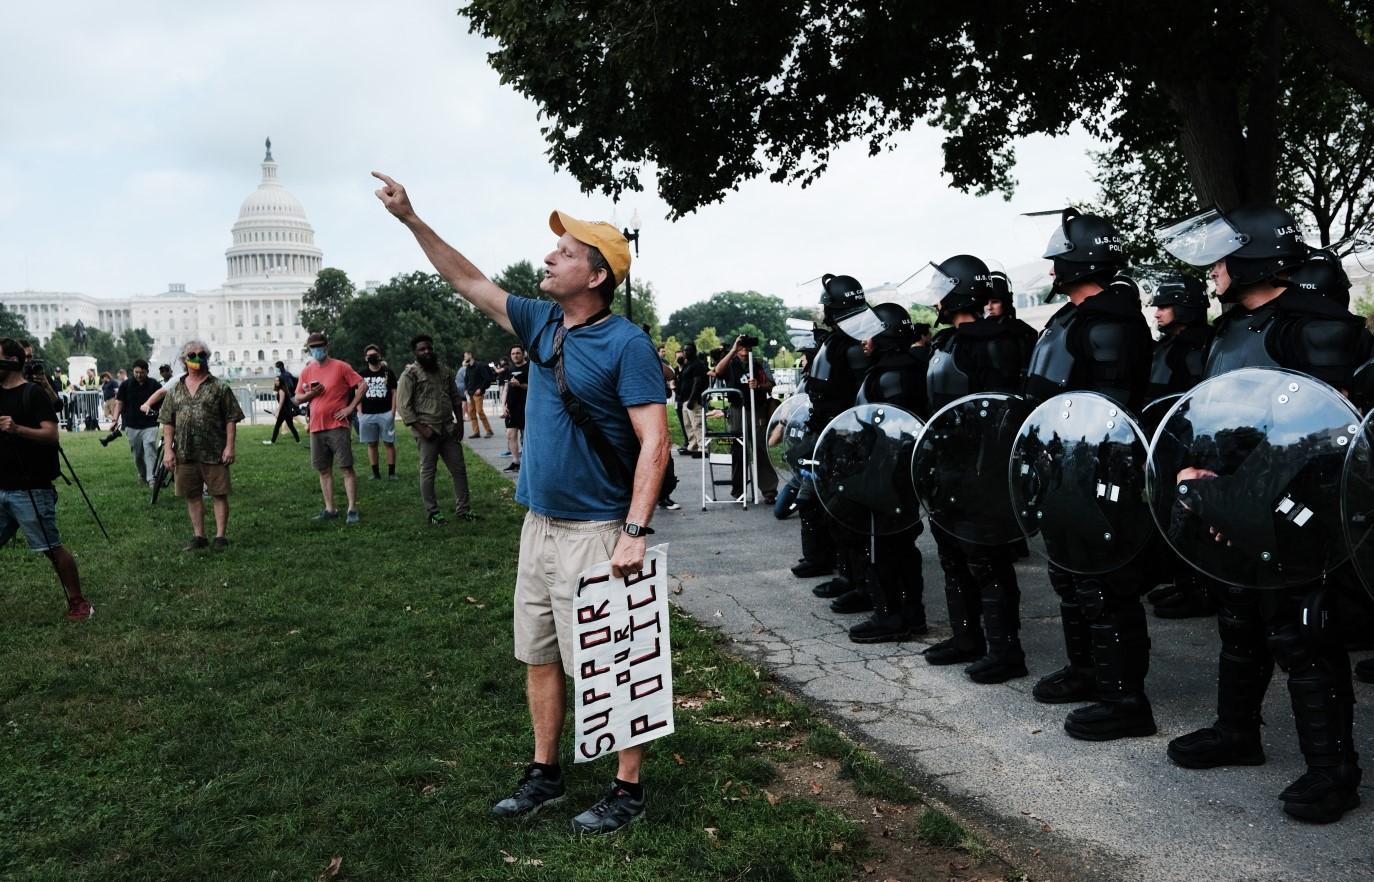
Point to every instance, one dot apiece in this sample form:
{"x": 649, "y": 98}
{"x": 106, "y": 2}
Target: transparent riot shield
{"x": 787, "y": 439}
{"x": 862, "y": 468}
{"x": 1245, "y": 477}
{"x": 1152, "y": 414}
{"x": 1357, "y": 502}
{"x": 960, "y": 467}
{"x": 1077, "y": 476}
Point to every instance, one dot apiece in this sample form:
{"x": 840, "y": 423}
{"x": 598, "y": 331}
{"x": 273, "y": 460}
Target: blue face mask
{"x": 317, "y": 353}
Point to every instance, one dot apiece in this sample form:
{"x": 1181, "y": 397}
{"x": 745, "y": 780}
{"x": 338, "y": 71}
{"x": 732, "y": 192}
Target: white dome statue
{"x": 272, "y": 239}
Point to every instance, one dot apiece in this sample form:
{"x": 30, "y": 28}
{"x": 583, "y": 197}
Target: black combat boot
{"x": 1001, "y": 621}
{"x": 853, "y": 601}
{"x": 834, "y": 588}
{"x": 967, "y": 643}
{"x": 892, "y": 620}
{"x": 1122, "y": 654}
{"x": 1365, "y": 670}
{"x": 1234, "y": 739}
{"x": 1076, "y": 681}
{"x": 1323, "y": 710}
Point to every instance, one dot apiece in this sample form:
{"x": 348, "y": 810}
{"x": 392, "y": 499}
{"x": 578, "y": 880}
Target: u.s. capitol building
{"x": 250, "y": 322}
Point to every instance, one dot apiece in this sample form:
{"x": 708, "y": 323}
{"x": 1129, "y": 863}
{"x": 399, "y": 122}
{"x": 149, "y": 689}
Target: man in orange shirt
{"x": 334, "y": 390}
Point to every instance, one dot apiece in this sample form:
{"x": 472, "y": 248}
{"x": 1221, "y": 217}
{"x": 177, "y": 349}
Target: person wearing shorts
{"x": 581, "y": 509}
{"x": 28, "y": 465}
{"x": 334, "y": 390}
{"x": 513, "y": 395}
{"x": 200, "y": 418}
{"x": 377, "y": 414}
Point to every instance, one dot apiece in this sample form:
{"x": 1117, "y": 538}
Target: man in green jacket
{"x": 428, "y": 401}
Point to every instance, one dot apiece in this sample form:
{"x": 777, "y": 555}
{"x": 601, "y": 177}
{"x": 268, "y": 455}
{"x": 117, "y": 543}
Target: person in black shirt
{"x": 691, "y": 382}
{"x": 513, "y": 407}
{"x": 140, "y": 428}
{"x": 377, "y": 422}
{"x": 28, "y": 464}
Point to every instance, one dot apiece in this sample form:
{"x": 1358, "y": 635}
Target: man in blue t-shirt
{"x": 590, "y": 489}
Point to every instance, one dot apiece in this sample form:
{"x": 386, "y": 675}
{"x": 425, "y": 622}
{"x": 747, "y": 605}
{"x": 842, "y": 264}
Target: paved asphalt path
{"x": 1055, "y": 807}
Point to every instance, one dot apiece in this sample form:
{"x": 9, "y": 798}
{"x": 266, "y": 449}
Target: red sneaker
{"x": 80, "y": 611}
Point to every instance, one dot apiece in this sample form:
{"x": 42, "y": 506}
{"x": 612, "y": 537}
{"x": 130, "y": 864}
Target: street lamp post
{"x": 631, "y": 235}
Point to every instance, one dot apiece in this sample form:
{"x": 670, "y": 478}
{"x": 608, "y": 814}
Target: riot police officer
{"x": 1002, "y": 309}
{"x": 1097, "y": 342}
{"x": 893, "y": 575}
{"x": 1180, "y": 303}
{"x": 1287, "y": 313}
{"x": 976, "y": 354}
{"x": 832, "y": 381}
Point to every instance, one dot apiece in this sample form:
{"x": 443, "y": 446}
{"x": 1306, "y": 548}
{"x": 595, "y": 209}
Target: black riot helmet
{"x": 1084, "y": 247}
{"x": 1002, "y": 292}
{"x": 962, "y": 283}
{"x": 898, "y": 332}
{"x": 1321, "y": 273}
{"x": 846, "y": 308}
{"x": 1257, "y": 242}
{"x": 1187, "y": 295}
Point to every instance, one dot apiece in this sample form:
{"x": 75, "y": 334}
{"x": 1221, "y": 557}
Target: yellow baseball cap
{"x": 600, "y": 235}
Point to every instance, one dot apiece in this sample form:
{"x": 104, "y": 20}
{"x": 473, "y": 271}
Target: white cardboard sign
{"x": 622, "y": 659}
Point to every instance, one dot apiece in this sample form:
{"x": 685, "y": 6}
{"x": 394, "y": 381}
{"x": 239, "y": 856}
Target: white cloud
{"x": 133, "y": 131}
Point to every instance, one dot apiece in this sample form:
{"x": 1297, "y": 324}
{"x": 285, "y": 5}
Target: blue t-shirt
{"x": 609, "y": 366}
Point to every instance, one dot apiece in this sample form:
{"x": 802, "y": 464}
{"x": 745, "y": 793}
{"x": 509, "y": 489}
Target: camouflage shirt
{"x": 199, "y": 420}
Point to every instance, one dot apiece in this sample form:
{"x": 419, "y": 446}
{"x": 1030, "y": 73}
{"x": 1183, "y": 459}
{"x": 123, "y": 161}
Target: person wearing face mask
{"x": 377, "y": 421}
{"x": 429, "y": 402}
{"x": 334, "y": 390}
{"x": 199, "y": 420}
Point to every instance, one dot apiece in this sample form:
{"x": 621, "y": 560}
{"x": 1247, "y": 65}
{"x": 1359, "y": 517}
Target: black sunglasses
{"x": 203, "y": 356}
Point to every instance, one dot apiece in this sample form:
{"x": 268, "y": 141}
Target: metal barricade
{"x": 82, "y": 410}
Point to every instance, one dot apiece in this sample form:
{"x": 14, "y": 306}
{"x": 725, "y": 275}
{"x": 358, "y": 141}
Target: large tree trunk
{"x": 1210, "y": 137}
{"x": 1348, "y": 55}
{"x": 1261, "y": 157}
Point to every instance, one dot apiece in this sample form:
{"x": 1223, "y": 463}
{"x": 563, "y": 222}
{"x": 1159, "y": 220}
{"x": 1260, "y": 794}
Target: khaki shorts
{"x": 553, "y": 553}
{"x": 329, "y": 445}
{"x": 191, "y": 476}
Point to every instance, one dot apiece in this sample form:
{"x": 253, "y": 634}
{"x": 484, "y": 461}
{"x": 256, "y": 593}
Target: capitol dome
{"x": 272, "y": 239}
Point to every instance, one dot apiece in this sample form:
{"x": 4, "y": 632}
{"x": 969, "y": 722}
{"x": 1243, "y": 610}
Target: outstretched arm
{"x": 460, "y": 272}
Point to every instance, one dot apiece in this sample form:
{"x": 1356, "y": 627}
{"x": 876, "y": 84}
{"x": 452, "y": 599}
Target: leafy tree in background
{"x": 110, "y": 352}
{"x": 521, "y": 279}
{"x": 671, "y": 348}
{"x": 731, "y": 310}
{"x": 12, "y": 324}
{"x": 137, "y": 343}
{"x": 645, "y": 306}
{"x": 711, "y": 95}
{"x": 325, "y": 301}
{"x": 707, "y": 340}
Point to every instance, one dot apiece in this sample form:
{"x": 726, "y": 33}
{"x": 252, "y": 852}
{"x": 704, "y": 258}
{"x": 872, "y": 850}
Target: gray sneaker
{"x": 352, "y": 517}
{"x": 325, "y": 516}
{"x": 534, "y": 793}
{"x": 615, "y": 810}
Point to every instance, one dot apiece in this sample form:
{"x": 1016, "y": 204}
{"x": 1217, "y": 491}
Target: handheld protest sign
{"x": 862, "y": 469}
{"x": 622, "y": 658}
{"x": 960, "y": 467}
{"x": 1245, "y": 477}
{"x": 1077, "y": 476}
{"x": 1357, "y": 502}
{"x": 787, "y": 440}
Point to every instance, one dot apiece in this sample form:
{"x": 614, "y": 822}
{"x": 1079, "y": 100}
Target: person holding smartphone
{"x": 335, "y": 390}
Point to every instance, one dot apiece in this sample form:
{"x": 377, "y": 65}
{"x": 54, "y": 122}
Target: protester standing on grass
{"x": 429, "y": 402}
{"x": 139, "y": 427}
{"x": 28, "y": 465}
{"x": 284, "y": 387}
{"x": 377, "y": 422}
{"x": 334, "y": 390}
{"x": 200, "y": 418}
{"x": 583, "y": 509}
{"x": 477, "y": 378}
{"x": 513, "y": 406}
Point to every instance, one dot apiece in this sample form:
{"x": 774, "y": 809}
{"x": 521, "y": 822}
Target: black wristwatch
{"x": 634, "y": 531}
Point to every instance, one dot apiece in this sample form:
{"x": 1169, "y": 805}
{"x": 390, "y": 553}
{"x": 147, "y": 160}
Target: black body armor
{"x": 1178, "y": 362}
{"x": 833, "y": 378}
{"x": 897, "y": 378}
{"x": 986, "y": 355}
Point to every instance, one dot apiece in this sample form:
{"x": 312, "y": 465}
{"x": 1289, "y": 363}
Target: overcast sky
{"x": 130, "y": 133}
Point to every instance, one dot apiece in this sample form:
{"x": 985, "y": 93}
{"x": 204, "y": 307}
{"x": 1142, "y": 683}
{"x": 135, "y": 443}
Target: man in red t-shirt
{"x": 334, "y": 390}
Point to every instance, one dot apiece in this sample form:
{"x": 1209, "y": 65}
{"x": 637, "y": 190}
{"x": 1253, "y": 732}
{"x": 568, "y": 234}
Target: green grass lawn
{"x": 322, "y": 691}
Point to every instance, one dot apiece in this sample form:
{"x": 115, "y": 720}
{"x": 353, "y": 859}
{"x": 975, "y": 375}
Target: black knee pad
{"x": 1093, "y": 600}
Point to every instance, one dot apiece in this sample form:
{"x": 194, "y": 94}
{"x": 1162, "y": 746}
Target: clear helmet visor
{"x": 931, "y": 286}
{"x": 1052, "y": 223}
{"x": 861, "y": 325}
{"x": 1201, "y": 240}
{"x": 800, "y": 333}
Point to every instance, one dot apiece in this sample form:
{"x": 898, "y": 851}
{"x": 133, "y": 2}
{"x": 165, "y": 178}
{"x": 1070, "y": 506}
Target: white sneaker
{"x": 267, "y": 442}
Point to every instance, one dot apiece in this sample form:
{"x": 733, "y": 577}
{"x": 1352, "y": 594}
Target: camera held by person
{"x": 114, "y": 433}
